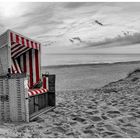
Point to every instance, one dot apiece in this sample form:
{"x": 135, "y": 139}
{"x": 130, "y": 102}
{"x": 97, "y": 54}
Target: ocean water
{"x": 74, "y": 59}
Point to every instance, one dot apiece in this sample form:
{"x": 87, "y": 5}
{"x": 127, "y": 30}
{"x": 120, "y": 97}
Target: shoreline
{"x": 89, "y": 76}
{"x": 90, "y": 64}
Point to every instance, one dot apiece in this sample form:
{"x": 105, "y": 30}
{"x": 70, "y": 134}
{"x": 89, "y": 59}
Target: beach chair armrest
{"x": 49, "y": 82}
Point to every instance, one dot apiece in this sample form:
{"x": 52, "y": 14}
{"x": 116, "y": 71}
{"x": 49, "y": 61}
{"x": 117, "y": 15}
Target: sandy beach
{"x": 89, "y": 76}
{"x": 92, "y": 101}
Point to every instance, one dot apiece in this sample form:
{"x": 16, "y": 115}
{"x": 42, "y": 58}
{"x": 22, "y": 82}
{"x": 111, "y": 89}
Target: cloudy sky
{"x": 76, "y": 27}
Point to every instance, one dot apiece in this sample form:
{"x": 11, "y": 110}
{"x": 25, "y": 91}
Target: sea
{"x": 76, "y": 59}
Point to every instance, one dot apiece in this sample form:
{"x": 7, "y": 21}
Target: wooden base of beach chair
{"x": 42, "y": 111}
{"x": 38, "y": 102}
{"x": 15, "y": 103}
{"x": 41, "y": 101}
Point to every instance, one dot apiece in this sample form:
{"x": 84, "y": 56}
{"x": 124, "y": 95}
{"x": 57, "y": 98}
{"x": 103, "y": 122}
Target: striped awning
{"x": 21, "y": 44}
{"x": 25, "y": 57}
{"x": 15, "y": 66}
{"x": 33, "y": 92}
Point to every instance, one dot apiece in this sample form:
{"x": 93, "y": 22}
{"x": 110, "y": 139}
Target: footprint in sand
{"x": 123, "y": 109}
{"x": 117, "y": 136}
{"x": 104, "y": 117}
{"x": 72, "y": 122}
{"x": 129, "y": 125}
{"x": 36, "y": 135}
{"x": 59, "y": 129}
{"x": 79, "y": 119}
{"x": 100, "y": 129}
{"x": 95, "y": 118}
{"x": 110, "y": 127}
{"x": 39, "y": 127}
{"x": 113, "y": 114}
{"x": 88, "y": 131}
{"x": 130, "y": 132}
{"x": 100, "y": 124}
{"x": 70, "y": 134}
{"x": 90, "y": 126}
{"x": 107, "y": 134}
{"x": 39, "y": 120}
{"x": 47, "y": 132}
{"x": 131, "y": 118}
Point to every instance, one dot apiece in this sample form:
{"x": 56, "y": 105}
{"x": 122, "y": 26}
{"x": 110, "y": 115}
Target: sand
{"x": 111, "y": 111}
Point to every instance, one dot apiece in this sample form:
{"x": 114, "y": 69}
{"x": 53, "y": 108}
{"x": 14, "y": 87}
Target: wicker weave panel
{"x": 17, "y": 99}
{"x": 4, "y": 103}
{"x": 15, "y": 107}
{"x": 4, "y": 64}
{"x": 4, "y": 39}
{"x": 1, "y": 103}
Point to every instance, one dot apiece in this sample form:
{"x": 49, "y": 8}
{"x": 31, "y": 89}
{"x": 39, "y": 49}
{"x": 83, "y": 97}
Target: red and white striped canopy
{"x": 21, "y": 44}
{"x": 25, "y": 56}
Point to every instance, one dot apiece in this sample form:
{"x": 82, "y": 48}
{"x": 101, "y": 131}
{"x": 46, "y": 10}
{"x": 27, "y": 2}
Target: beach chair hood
{"x": 25, "y": 92}
{"x": 25, "y": 56}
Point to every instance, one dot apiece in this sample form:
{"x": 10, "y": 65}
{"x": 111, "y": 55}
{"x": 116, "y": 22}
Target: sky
{"x": 70, "y": 27}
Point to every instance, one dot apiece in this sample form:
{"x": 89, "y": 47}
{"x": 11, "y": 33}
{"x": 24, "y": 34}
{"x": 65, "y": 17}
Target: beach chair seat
{"x": 43, "y": 89}
{"x": 33, "y": 92}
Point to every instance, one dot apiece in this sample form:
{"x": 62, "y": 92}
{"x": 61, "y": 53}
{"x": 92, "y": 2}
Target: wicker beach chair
{"x": 29, "y": 93}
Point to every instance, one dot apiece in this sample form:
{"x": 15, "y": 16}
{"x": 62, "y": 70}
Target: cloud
{"x": 57, "y": 23}
{"x": 73, "y": 5}
{"x": 125, "y": 40}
